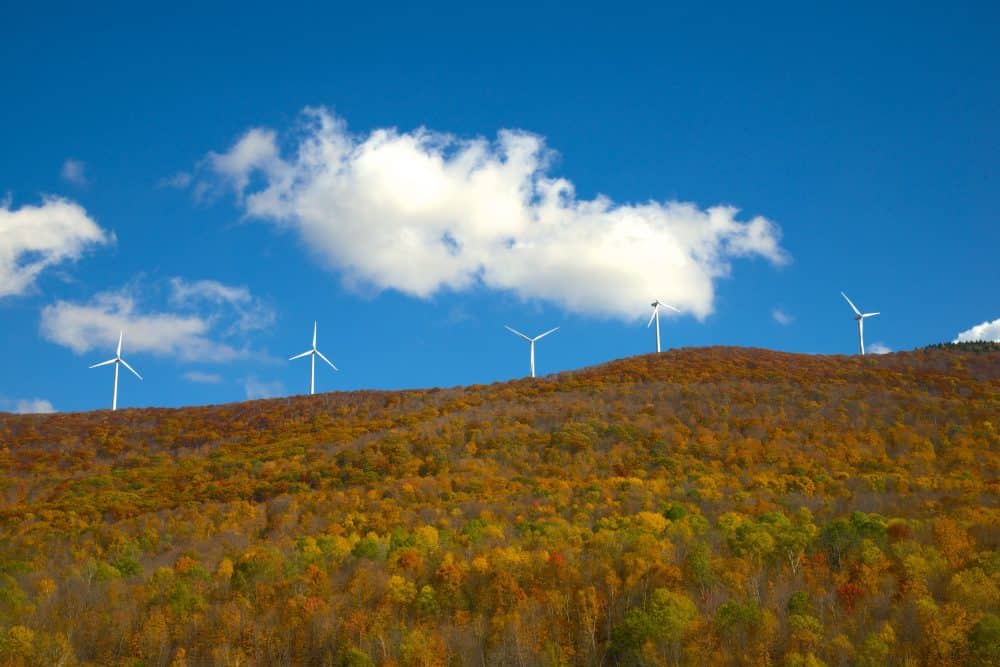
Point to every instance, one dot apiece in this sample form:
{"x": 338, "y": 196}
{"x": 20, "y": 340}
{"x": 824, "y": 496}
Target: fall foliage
{"x": 714, "y": 506}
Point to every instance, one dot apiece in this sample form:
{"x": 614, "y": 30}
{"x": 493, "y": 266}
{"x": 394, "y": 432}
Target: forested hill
{"x": 701, "y": 506}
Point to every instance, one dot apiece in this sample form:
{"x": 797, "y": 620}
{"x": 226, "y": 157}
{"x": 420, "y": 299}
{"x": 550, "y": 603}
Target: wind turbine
{"x": 313, "y": 353}
{"x": 116, "y": 361}
{"x": 531, "y": 341}
{"x": 860, "y": 317}
{"x": 656, "y": 316}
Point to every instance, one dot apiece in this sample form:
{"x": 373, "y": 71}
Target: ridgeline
{"x": 701, "y": 506}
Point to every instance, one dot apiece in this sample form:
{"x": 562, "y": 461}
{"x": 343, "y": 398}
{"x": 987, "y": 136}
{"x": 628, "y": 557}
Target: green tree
{"x": 356, "y": 658}
{"x": 984, "y": 641}
{"x": 664, "y": 622}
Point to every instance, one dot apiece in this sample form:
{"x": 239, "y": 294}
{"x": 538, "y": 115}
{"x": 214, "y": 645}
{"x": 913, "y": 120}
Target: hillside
{"x": 702, "y": 506}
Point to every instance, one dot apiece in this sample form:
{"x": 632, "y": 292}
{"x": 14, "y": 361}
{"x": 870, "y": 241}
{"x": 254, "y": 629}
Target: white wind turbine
{"x": 656, "y": 316}
{"x": 116, "y": 361}
{"x": 531, "y": 342}
{"x": 313, "y": 352}
{"x": 860, "y": 317}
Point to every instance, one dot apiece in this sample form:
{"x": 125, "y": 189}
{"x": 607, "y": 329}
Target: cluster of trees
{"x": 716, "y": 506}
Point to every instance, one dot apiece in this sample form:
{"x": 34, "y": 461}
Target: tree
{"x": 672, "y": 614}
{"x": 984, "y": 641}
{"x": 355, "y": 658}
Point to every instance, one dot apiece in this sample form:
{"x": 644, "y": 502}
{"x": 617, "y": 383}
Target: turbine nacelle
{"x": 656, "y": 316}
{"x": 313, "y": 352}
{"x": 859, "y": 317}
{"x": 531, "y": 342}
{"x": 117, "y": 360}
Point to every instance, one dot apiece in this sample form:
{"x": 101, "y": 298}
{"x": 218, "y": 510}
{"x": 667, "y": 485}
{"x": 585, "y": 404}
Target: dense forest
{"x": 713, "y": 506}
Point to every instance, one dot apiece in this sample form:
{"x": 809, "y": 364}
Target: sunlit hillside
{"x": 706, "y": 506}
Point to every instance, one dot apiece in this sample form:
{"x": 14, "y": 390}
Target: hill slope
{"x": 702, "y": 506}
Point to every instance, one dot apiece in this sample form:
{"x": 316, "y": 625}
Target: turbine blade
{"x": 314, "y": 334}
{"x": 299, "y": 356}
{"x": 105, "y": 363}
{"x": 121, "y": 334}
{"x": 667, "y": 305}
{"x": 327, "y": 360}
{"x": 651, "y": 318}
{"x": 853, "y": 307}
{"x": 870, "y": 314}
{"x": 515, "y": 331}
{"x": 125, "y": 364}
{"x": 539, "y": 337}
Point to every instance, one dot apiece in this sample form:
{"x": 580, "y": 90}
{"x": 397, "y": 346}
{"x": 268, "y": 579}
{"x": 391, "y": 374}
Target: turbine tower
{"x": 860, "y": 317}
{"x": 531, "y": 342}
{"x": 313, "y": 352}
{"x": 116, "y": 361}
{"x": 656, "y": 316}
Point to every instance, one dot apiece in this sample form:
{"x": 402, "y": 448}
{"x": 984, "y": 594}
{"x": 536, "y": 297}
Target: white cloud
{"x": 26, "y": 406}
{"x": 255, "y": 388}
{"x": 183, "y": 292}
{"x": 191, "y": 332}
{"x": 33, "y": 238}
{"x": 33, "y": 406}
{"x": 203, "y": 378}
{"x": 256, "y": 148}
{"x": 987, "y": 331}
{"x": 74, "y": 171}
{"x": 421, "y": 212}
{"x": 879, "y": 348}
{"x": 781, "y": 317}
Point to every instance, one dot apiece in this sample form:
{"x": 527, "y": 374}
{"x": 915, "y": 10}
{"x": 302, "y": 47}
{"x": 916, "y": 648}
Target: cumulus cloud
{"x": 26, "y": 406}
{"x": 33, "y": 238}
{"x": 987, "y": 331}
{"x": 203, "y": 378}
{"x": 204, "y": 319}
{"x": 257, "y": 148}
{"x": 879, "y": 348}
{"x": 255, "y": 388}
{"x": 781, "y": 317}
{"x": 74, "y": 171}
{"x": 33, "y": 406}
{"x": 422, "y": 211}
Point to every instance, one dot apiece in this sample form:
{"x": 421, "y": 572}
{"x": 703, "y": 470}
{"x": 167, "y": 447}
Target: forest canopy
{"x": 712, "y": 506}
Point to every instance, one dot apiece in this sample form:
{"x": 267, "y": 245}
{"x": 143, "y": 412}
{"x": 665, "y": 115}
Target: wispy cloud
{"x": 256, "y": 388}
{"x": 179, "y": 181}
{"x": 191, "y": 328}
{"x": 74, "y": 171}
{"x": 987, "y": 331}
{"x": 781, "y": 317}
{"x": 33, "y": 238}
{"x": 203, "y": 378}
{"x": 423, "y": 211}
{"x": 457, "y": 315}
{"x": 251, "y": 314}
{"x": 879, "y": 348}
{"x": 185, "y": 292}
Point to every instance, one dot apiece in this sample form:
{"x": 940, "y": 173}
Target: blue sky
{"x": 414, "y": 178}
